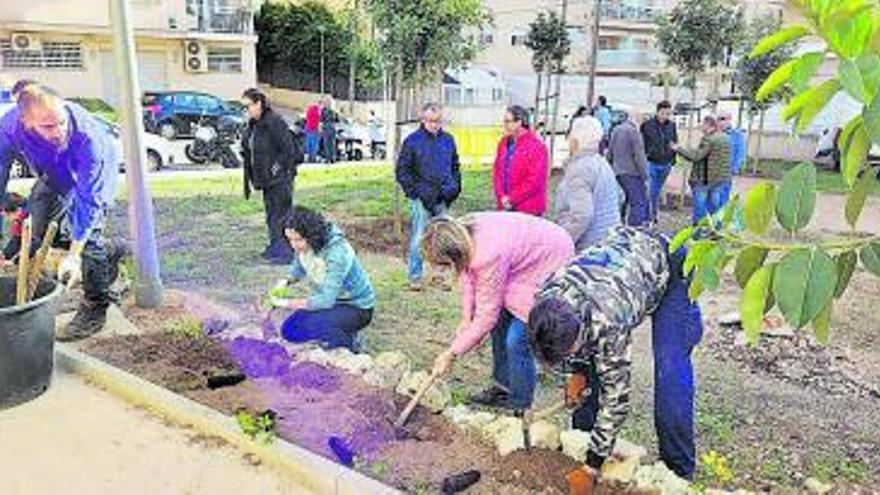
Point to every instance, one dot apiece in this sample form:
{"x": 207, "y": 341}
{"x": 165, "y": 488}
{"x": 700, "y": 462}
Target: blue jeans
{"x": 657, "y": 172}
{"x": 513, "y": 366}
{"x": 708, "y": 200}
{"x": 677, "y": 327}
{"x": 313, "y": 141}
{"x": 334, "y": 327}
{"x": 419, "y": 217}
{"x": 636, "y": 199}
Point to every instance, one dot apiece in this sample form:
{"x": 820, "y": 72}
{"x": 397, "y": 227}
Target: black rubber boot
{"x": 89, "y": 319}
{"x": 493, "y": 396}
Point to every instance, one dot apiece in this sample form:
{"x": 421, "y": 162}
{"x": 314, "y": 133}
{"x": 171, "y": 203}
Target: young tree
{"x": 695, "y": 35}
{"x": 800, "y": 277}
{"x": 548, "y": 39}
{"x": 420, "y": 40}
{"x": 751, "y": 72}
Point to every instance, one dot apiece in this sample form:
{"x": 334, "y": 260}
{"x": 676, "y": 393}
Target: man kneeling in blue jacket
{"x": 583, "y": 320}
{"x": 77, "y": 168}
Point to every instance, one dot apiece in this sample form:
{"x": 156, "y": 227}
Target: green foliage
{"x": 797, "y": 198}
{"x": 431, "y": 35}
{"x": 759, "y": 207}
{"x": 189, "y": 328}
{"x": 846, "y": 264}
{"x": 856, "y": 201}
{"x": 748, "y": 262}
{"x": 290, "y": 34}
{"x": 549, "y": 42}
{"x": 257, "y": 426}
{"x": 717, "y": 468}
{"x": 698, "y": 33}
{"x": 805, "y": 282}
{"x": 755, "y": 302}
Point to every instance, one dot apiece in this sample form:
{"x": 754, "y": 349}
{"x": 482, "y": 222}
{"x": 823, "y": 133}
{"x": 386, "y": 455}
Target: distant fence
{"x": 476, "y": 144}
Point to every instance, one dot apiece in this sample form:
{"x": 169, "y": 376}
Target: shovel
{"x": 528, "y": 419}
{"x": 24, "y": 259}
{"x": 401, "y": 420}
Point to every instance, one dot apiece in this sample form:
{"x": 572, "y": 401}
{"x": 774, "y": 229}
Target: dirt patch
{"x": 177, "y": 362}
{"x": 375, "y": 235}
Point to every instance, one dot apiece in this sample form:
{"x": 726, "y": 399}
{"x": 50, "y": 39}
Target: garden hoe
{"x": 401, "y": 420}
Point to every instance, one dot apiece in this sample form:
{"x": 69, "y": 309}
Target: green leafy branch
{"x": 801, "y": 279}
{"x": 257, "y": 426}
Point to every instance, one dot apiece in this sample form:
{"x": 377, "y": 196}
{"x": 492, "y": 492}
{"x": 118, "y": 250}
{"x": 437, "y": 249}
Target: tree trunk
{"x": 666, "y": 88}
{"x": 352, "y": 61}
{"x": 401, "y": 114}
{"x": 758, "y": 144}
{"x": 558, "y": 94}
{"x": 749, "y": 137}
{"x": 537, "y": 110}
{"x": 690, "y": 130}
{"x": 417, "y": 89}
{"x": 594, "y": 51}
{"x": 547, "y": 96}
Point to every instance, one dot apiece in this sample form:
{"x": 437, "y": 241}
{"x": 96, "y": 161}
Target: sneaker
{"x": 89, "y": 319}
{"x": 493, "y": 396}
{"x": 416, "y": 286}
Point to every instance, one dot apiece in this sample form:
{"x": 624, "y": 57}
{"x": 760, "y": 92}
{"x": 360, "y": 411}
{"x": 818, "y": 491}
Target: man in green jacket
{"x": 711, "y": 168}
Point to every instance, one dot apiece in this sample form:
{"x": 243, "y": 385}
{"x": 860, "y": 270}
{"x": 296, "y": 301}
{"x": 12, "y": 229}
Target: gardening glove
{"x": 577, "y": 387}
{"x": 280, "y": 284}
{"x": 582, "y": 481}
{"x": 279, "y": 302}
{"x": 70, "y": 270}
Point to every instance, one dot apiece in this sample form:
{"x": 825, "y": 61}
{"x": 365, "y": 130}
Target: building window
{"x": 451, "y": 95}
{"x": 487, "y": 38}
{"x": 224, "y": 59}
{"x": 51, "y": 55}
{"x": 497, "y": 95}
{"x": 518, "y": 40}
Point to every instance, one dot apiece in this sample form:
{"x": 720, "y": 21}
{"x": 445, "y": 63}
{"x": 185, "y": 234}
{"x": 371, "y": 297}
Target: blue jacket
{"x": 737, "y": 140}
{"x": 428, "y": 168}
{"x": 84, "y": 173}
{"x": 335, "y": 275}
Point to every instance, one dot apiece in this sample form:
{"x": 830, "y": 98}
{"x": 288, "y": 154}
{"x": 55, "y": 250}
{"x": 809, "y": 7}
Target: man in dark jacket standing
{"x": 428, "y": 171}
{"x": 328, "y": 130}
{"x": 659, "y": 134}
{"x": 271, "y": 156}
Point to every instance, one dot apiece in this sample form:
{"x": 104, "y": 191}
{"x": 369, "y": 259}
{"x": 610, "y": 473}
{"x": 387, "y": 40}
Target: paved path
{"x": 828, "y": 218}
{"x": 77, "y": 439}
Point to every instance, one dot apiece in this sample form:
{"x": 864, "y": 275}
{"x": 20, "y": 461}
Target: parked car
{"x": 174, "y": 114}
{"x": 158, "y": 148}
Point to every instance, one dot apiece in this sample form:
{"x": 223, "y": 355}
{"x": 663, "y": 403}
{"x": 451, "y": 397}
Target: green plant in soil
{"x": 257, "y": 426}
{"x": 186, "y": 327}
{"x": 801, "y": 277}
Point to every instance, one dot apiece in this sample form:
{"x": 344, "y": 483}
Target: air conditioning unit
{"x": 24, "y": 42}
{"x": 195, "y": 56}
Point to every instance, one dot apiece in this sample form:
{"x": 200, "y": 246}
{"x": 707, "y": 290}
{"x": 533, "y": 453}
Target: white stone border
{"x": 306, "y": 468}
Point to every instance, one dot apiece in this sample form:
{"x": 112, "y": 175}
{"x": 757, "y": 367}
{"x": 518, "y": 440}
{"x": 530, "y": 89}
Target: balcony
{"x": 220, "y": 16}
{"x": 630, "y": 60}
{"x": 629, "y": 13}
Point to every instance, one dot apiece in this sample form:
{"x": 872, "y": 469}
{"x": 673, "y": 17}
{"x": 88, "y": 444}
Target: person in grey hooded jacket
{"x": 588, "y": 197}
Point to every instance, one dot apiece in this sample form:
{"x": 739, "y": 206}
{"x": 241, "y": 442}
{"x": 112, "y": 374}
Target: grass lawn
{"x": 209, "y": 239}
{"x": 826, "y": 181}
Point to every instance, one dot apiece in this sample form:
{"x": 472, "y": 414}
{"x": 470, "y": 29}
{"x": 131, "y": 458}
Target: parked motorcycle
{"x": 213, "y": 143}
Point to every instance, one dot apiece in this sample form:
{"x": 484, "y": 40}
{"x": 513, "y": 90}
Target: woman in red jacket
{"x": 521, "y": 170}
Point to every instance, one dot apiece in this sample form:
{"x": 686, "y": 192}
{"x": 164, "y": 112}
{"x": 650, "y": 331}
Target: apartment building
{"x": 202, "y": 45}
{"x": 627, "y": 44}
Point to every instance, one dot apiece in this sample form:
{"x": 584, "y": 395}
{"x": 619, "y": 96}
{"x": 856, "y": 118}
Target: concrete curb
{"x": 310, "y": 470}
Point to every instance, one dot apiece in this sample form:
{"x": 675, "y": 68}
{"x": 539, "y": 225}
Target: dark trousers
{"x": 636, "y": 192}
{"x": 45, "y": 206}
{"x": 676, "y": 328}
{"x": 328, "y": 142}
{"x": 334, "y": 327}
{"x": 278, "y": 201}
{"x": 513, "y": 366}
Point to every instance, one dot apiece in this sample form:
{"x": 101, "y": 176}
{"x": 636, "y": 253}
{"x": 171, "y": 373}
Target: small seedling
{"x": 259, "y": 427}
{"x": 716, "y": 467}
{"x": 458, "y": 397}
{"x": 186, "y": 327}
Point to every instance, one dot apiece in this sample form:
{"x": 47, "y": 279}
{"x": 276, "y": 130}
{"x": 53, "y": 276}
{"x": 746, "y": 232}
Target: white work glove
{"x": 280, "y": 284}
{"x": 279, "y": 302}
{"x": 70, "y": 270}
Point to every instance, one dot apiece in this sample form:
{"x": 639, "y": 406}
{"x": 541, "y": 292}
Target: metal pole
{"x": 558, "y": 91}
{"x": 594, "y": 52}
{"x": 148, "y": 284}
{"x": 352, "y": 58}
{"x": 322, "y": 59}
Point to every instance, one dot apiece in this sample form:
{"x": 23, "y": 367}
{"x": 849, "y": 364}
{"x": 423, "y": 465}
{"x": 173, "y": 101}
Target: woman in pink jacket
{"x": 501, "y": 258}
{"x": 521, "y": 170}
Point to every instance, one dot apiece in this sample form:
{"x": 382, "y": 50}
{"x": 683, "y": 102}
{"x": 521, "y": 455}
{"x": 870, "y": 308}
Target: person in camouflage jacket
{"x": 583, "y": 320}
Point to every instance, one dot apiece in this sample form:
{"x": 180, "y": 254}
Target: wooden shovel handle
{"x": 415, "y": 400}
{"x": 545, "y": 413}
{"x": 24, "y": 257}
{"x": 40, "y": 259}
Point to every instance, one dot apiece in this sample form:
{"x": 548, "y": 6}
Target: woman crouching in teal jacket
{"x": 341, "y": 298}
